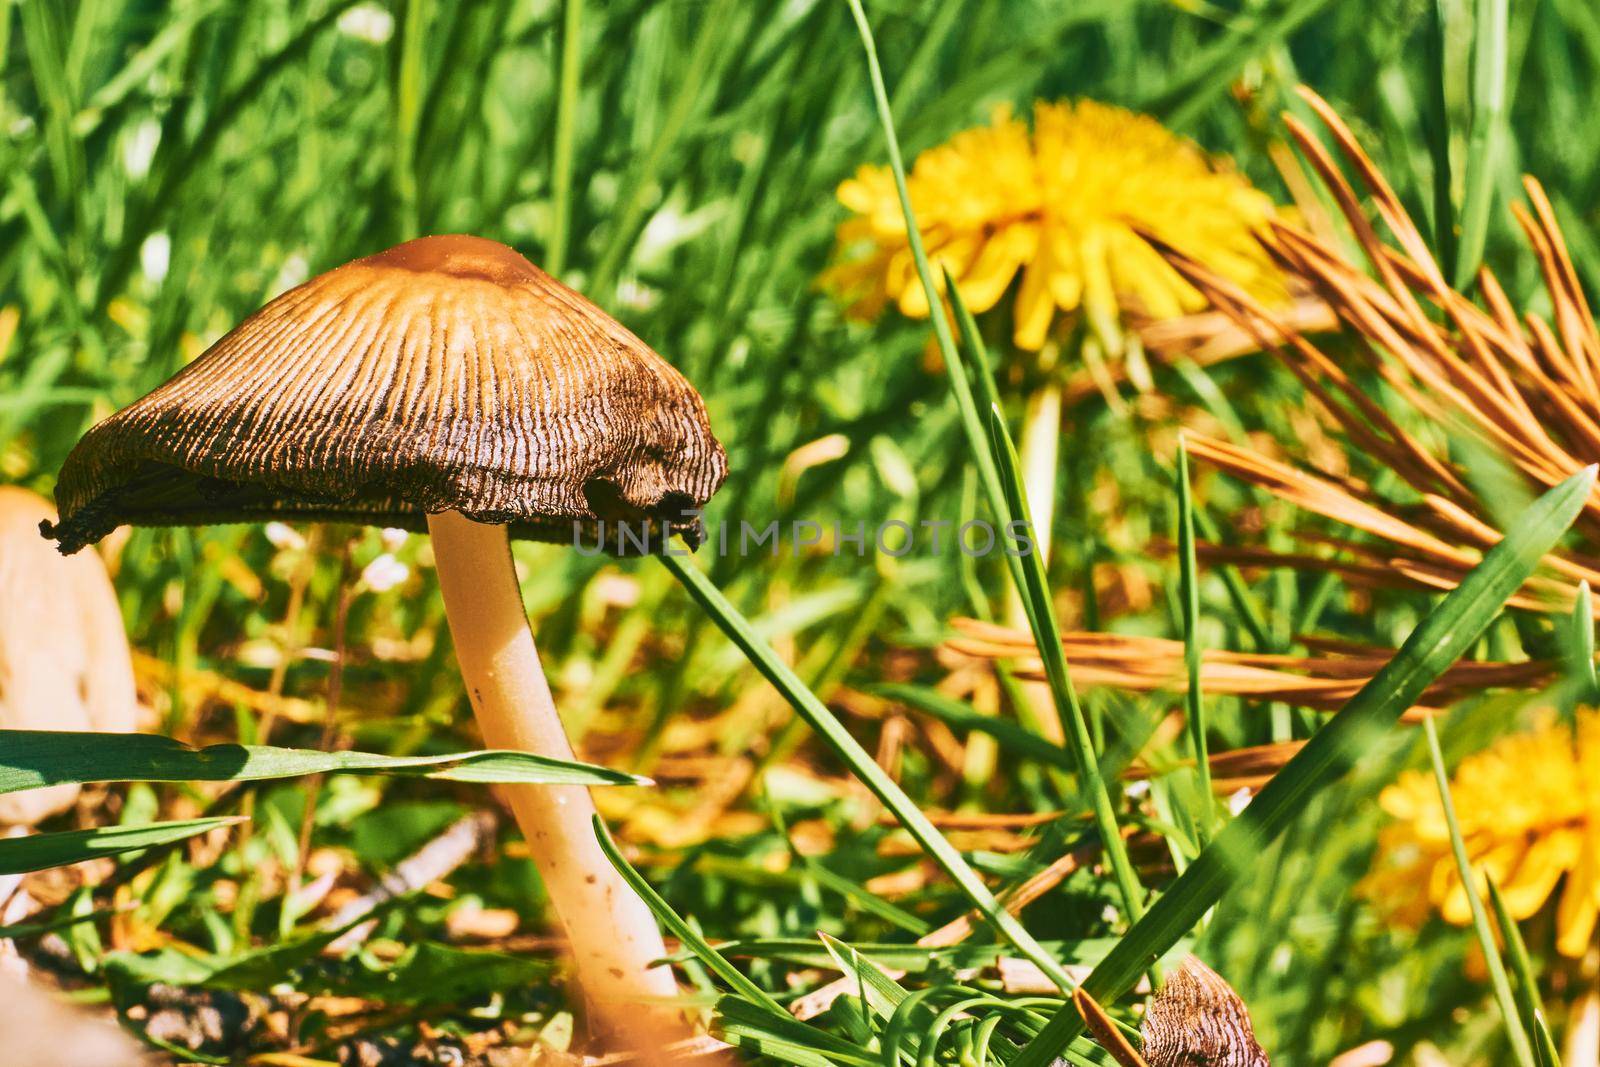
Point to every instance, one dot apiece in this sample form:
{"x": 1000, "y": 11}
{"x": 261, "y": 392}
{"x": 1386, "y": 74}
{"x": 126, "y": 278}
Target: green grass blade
{"x": 1194, "y": 705}
{"x": 640, "y": 183}
{"x": 42, "y": 37}
{"x": 408, "y": 92}
{"x": 1583, "y": 642}
{"x": 1545, "y": 1042}
{"x": 1520, "y": 1046}
{"x": 561, "y": 151}
{"x": 1028, "y": 570}
{"x": 1437, "y": 642}
{"x": 1013, "y": 737}
{"x": 1489, "y": 33}
{"x": 31, "y": 759}
{"x": 1437, "y": 132}
{"x": 713, "y": 960}
{"x": 941, "y": 325}
{"x": 860, "y": 762}
{"x": 980, "y": 439}
{"x": 1047, "y": 636}
{"x": 1529, "y": 1004}
{"x": 36, "y": 852}
{"x": 784, "y": 1039}
{"x": 883, "y": 994}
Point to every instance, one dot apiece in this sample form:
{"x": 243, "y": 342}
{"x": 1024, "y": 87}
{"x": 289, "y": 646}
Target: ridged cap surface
{"x": 447, "y": 373}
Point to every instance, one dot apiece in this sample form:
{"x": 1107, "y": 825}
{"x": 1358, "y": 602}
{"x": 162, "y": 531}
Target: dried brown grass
{"x": 1525, "y": 386}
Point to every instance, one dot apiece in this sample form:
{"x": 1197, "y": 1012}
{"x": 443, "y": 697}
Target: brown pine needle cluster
{"x": 1323, "y": 680}
{"x": 1527, "y": 387}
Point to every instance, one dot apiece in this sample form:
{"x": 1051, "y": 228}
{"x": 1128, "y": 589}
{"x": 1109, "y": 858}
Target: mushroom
{"x": 446, "y": 381}
{"x": 1197, "y": 1018}
{"x": 64, "y": 662}
{"x": 42, "y": 1030}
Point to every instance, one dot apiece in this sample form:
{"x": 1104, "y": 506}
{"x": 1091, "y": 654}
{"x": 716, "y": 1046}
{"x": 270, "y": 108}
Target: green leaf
{"x": 883, "y": 993}
{"x": 1047, "y": 638}
{"x": 888, "y": 792}
{"x": 713, "y": 960}
{"x": 1028, "y": 568}
{"x": 1194, "y": 705}
{"x": 783, "y": 1038}
{"x": 1581, "y": 647}
{"x": 1013, "y": 737}
{"x": 1529, "y": 1004}
{"x": 1480, "y": 918}
{"x": 1437, "y": 642}
{"x": 1487, "y": 136}
{"x": 39, "y": 851}
{"x": 30, "y": 759}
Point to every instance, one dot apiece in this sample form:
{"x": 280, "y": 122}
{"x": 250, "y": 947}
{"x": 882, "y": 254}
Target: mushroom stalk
{"x": 613, "y": 936}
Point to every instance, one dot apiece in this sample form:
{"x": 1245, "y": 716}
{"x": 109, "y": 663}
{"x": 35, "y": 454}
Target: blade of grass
{"x": 36, "y": 852}
{"x": 784, "y": 1039}
{"x": 882, "y": 993}
{"x": 42, "y": 39}
{"x": 979, "y": 439}
{"x": 407, "y": 115}
{"x": 860, "y": 762}
{"x": 31, "y": 759}
{"x": 1529, "y": 1004}
{"x": 1437, "y": 642}
{"x": 629, "y": 216}
{"x": 1583, "y": 641}
{"x": 960, "y": 388}
{"x": 1193, "y": 704}
{"x": 1520, "y": 1046}
{"x": 1248, "y": 611}
{"x": 1047, "y": 636}
{"x": 713, "y": 960}
{"x": 1017, "y": 739}
{"x": 1028, "y": 567}
{"x": 1489, "y": 35}
{"x": 1437, "y": 132}
{"x": 566, "y": 131}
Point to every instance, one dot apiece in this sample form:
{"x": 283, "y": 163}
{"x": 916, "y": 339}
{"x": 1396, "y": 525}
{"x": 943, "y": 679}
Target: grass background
{"x": 165, "y": 168}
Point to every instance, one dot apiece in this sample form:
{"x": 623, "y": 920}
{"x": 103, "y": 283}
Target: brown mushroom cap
{"x": 64, "y": 661}
{"x": 445, "y": 374}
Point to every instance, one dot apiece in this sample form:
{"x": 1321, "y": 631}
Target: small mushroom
{"x": 451, "y": 383}
{"x": 1197, "y": 1020}
{"x": 64, "y": 662}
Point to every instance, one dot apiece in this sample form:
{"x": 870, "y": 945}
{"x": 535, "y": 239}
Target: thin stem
{"x": 1028, "y": 570}
{"x": 566, "y": 128}
{"x": 1480, "y": 917}
{"x": 408, "y": 114}
{"x": 1194, "y": 705}
{"x": 614, "y": 938}
{"x": 861, "y": 763}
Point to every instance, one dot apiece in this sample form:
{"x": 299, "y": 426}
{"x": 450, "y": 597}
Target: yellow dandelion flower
{"x": 1529, "y": 807}
{"x": 977, "y": 200}
{"x": 1060, "y": 208}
